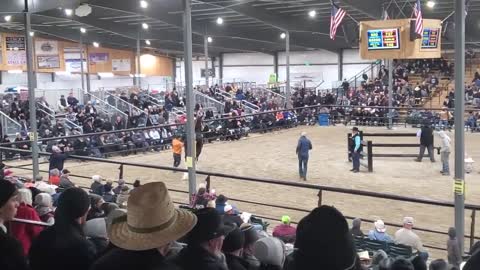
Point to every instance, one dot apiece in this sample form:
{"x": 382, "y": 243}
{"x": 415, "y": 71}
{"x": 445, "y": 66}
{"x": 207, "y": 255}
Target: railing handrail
{"x": 10, "y": 119}
{"x": 196, "y": 92}
{"x": 130, "y": 105}
{"x": 32, "y": 222}
{"x": 366, "y": 69}
{"x": 106, "y": 103}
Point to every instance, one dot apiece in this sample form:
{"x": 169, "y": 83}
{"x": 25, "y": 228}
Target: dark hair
{"x": 136, "y": 183}
{"x": 438, "y": 264}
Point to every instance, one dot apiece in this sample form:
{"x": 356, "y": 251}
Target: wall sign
{"x": 48, "y": 61}
{"x": 383, "y": 39}
{"x": 211, "y": 72}
{"x": 121, "y": 65}
{"x": 46, "y": 47}
{"x": 15, "y": 43}
{"x": 95, "y": 58}
{"x": 16, "y": 58}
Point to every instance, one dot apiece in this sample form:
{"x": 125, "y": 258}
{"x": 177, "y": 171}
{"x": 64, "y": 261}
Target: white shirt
{"x": 408, "y": 238}
{"x": 3, "y": 228}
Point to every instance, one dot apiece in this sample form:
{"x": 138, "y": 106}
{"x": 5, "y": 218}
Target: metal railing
{"x": 321, "y": 189}
{"x": 209, "y": 102}
{"x": 9, "y": 126}
{"x": 106, "y": 109}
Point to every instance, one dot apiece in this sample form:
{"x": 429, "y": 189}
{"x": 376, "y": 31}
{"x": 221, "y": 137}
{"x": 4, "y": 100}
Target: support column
{"x": 31, "y": 91}
{"x": 136, "y": 77}
{"x": 275, "y": 64}
{"x": 87, "y": 76}
{"x": 390, "y": 93}
{"x": 459, "y": 129}
{"x": 220, "y": 69}
{"x": 287, "y": 60}
{"x": 205, "y": 46}
{"x": 340, "y": 65}
{"x": 187, "y": 41}
{"x": 81, "y": 62}
{"x": 174, "y": 71}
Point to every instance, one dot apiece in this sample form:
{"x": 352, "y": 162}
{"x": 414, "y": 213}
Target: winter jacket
{"x": 97, "y": 188}
{"x": 11, "y": 253}
{"x": 25, "y": 233}
{"x": 121, "y": 259}
{"x": 445, "y": 147}
{"x": 197, "y": 258}
{"x": 57, "y": 160}
{"x": 304, "y": 145}
{"x": 236, "y": 263}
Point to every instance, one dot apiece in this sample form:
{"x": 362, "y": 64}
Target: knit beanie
{"x": 324, "y": 240}
{"x": 234, "y": 241}
{"x": 7, "y": 191}
{"x": 270, "y": 251}
{"x": 402, "y": 264}
{"x": 72, "y": 204}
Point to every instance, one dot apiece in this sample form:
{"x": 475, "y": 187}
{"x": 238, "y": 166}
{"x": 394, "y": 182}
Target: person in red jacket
{"x": 25, "y": 233}
{"x": 285, "y": 231}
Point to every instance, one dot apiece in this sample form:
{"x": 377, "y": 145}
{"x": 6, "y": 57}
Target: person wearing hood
{"x": 445, "y": 152}
{"x": 96, "y": 232}
{"x": 303, "y": 147}
{"x": 44, "y": 208}
{"x": 453, "y": 248}
{"x": 314, "y": 249}
{"x": 232, "y": 248}
{"x": 356, "y": 230}
{"x": 64, "y": 245}
{"x": 270, "y": 251}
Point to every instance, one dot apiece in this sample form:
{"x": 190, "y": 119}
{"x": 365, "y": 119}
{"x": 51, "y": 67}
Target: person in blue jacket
{"x": 356, "y": 149}
{"x": 303, "y": 147}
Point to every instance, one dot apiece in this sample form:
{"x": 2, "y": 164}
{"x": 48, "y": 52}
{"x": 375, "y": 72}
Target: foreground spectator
{"x": 270, "y": 251}
{"x": 251, "y": 237}
{"x": 379, "y": 232}
{"x": 438, "y": 264}
{"x": 232, "y": 248}
{"x": 323, "y": 242}
{"x": 96, "y": 232}
{"x": 453, "y": 248}
{"x": 401, "y": 264}
{"x": 118, "y": 188}
{"x": 473, "y": 263}
{"x": 11, "y": 255}
{"x": 44, "y": 208}
{"x": 65, "y": 181}
{"x": 96, "y": 210}
{"x": 205, "y": 241}
{"x": 356, "y": 230}
{"x": 122, "y": 198}
{"x": 143, "y": 236}
{"x": 406, "y": 236}
{"x": 64, "y": 246}
{"x": 54, "y": 178}
{"x": 285, "y": 231}
{"x": 25, "y": 232}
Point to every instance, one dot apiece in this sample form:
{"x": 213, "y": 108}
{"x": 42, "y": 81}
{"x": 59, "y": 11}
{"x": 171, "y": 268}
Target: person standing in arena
{"x": 426, "y": 141}
{"x": 177, "y": 146}
{"x": 304, "y": 145}
{"x": 356, "y": 149}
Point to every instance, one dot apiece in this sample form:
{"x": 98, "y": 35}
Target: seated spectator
{"x": 136, "y": 184}
{"x": 12, "y": 255}
{"x": 401, "y": 264}
{"x": 220, "y": 204}
{"x": 44, "y": 208}
{"x": 438, "y": 264}
{"x": 122, "y": 198}
{"x": 356, "y": 230}
{"x": 97, "y": 187}
{"x": 54, "y": 178}
{"x": 143, "y": 236}
{"x": 63, "y": 245}
{"x": 418, "y": 263}
{"x": 232, "y": 248}
{"x": 43, "y": 186}
{"x": 323, "y": 242}
{"x": 230, "y": 217}
{"x": 118, "y": 188}
{"x": 108, "y": 195}
{"x": 65, "y": 181}
{"x": 25, "y": 232}
{"x": 473, "y": 263}
{"x": 270, "y": 251}
{"x": 379, "y": 260}
{"x": 406, "y": 236}
{"x": 285, "y": 231}
{"x": 96, "y": 203}
{"x": 379, "y": 232}
{"x": 205, "y": 240}
{"x": 62, "y": 104}
{"x": 251, "y": 237}
{"x": 96, "y": 232}
{"x": 453, "y": 248}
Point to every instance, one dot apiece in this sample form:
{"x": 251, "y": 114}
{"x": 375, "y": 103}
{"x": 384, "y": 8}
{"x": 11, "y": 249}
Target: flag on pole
{"x": 417, "y": 10}
{"x": 336, "y": 19}
{"x": 385, "y": 15}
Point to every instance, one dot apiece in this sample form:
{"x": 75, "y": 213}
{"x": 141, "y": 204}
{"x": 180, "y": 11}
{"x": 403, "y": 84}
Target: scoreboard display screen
{"x": 430, "y": 38}
{"x": 383, "y": 39}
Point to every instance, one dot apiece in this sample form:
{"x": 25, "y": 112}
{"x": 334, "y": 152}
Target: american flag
{"x": 417, "y": 10}
{"x": 336, "y": 19}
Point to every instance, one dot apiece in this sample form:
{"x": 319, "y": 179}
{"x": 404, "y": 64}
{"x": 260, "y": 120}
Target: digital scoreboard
{"x": 430, "y": 38}
{"x": 383, "y": 39}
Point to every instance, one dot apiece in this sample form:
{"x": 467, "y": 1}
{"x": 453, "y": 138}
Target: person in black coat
{"x": 232, "y": 248}
{"x": 64, "y": 245}
{"x": 205, "y": 242}
{"x": 11, "y": 250}
{"x": 57, "y": 159}
{"x": 426, "y": 141}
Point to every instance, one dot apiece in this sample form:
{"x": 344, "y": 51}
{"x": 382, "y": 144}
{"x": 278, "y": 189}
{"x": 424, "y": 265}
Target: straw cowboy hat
{"x": 151, "y": 221}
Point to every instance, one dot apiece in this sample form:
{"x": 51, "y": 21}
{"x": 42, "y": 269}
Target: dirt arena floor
{"x": 273, "y": 156}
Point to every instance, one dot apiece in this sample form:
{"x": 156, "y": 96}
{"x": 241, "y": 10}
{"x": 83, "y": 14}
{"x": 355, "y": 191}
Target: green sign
{"x": 272, "y": 78}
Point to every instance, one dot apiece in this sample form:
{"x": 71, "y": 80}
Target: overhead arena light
{"x": 283, "y": 35}
{"x": 15, "y": 71}
{"x": 143, "y": 4}
{"x": 7, "y": 18}
{"x": 83, "y": 30}
{"x": 430, "y": 4}
{"x": 62, "y": 73}
{"x": 68, "y": 12}
{"x": 312, "y": 13}
{"x": 145, "y": 26}
{"x": 209, "y": 39}
{"x": 83, "y": 10}
{"x": 32, "y": 34}
{"x": 148, "y": 42}
{"x": 95, "y": 44}
{"x": 106, "y": 74}
{"x": 219, "y": 20}
{"x": 141, "y": 75}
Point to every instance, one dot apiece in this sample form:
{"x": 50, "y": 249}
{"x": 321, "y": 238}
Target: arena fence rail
{"x": 320, "y": 188}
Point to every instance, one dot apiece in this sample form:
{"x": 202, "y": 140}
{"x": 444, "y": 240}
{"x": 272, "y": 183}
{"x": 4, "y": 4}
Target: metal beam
{"x": 287, "y": 62}
{"x": 459, "y": 116}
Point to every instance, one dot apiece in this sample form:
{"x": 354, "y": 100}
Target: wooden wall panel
{"x": 152, "y": 65}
